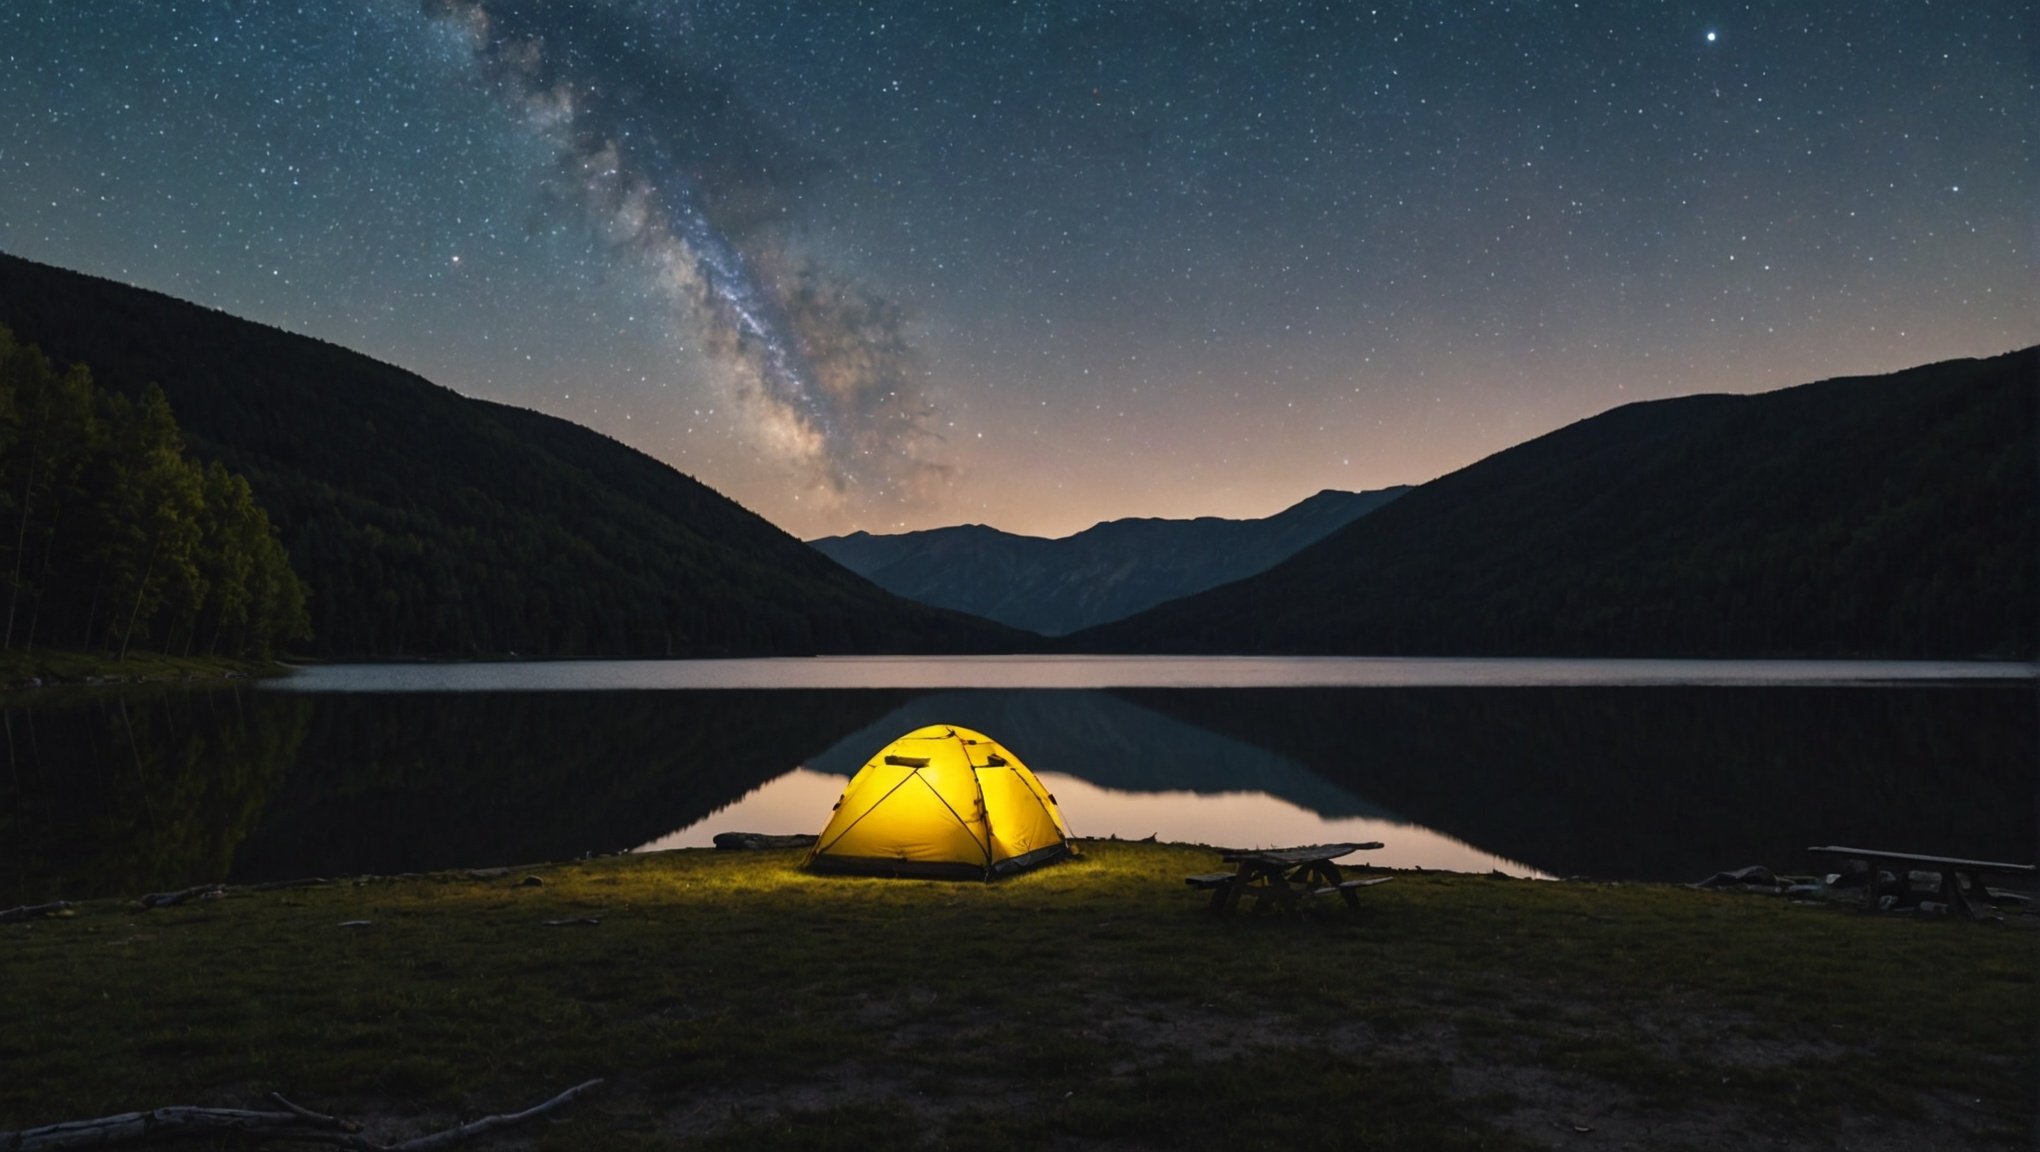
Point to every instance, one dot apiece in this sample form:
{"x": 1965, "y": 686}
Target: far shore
{"x": 43, "y": 669}
{"x": 46, "y": 668}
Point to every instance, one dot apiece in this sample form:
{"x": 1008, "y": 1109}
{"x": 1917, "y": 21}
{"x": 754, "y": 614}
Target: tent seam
{"x": 821, "y": 848}
{"x": 961, "y": 822}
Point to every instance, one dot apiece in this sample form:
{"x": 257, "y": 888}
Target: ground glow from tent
{"x": 798, "y": 803}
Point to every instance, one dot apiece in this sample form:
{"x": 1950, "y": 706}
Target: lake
{"x": 1644, "y": 769}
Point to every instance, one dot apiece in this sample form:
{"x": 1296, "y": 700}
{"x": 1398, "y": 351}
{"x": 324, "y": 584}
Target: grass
{"x": 736, "y": 1002}
{"x": 42, "y": 667}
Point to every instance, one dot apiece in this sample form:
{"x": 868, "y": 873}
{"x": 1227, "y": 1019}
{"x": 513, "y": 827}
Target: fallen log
{"x": 295, "y": 1124}
{"x": 31, "y": 911}
{"x": 156, "y": 1124}
{"x": 759, "y": 841}
{"x": 281, "y": 885}
{"x": 195, "y": 892}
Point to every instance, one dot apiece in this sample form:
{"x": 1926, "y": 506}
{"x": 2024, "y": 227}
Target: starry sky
{"x": 898, "y": 265}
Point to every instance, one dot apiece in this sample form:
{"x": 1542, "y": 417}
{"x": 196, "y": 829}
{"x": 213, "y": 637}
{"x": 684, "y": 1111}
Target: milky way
{"x": 889, "y": 264}
{"x": 657, "y": 154}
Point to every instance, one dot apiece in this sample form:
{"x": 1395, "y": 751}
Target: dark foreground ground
{"x": 732, "y": 1001}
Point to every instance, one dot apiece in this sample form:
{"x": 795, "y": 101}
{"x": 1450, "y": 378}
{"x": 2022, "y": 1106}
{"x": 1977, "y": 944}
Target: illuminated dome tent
{"x": 942, "y": 801}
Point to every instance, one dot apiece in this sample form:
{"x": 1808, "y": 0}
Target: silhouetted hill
{"x": 432, "y": 524}
{"x": 1868, "y": 516}
{"x": 1106, "y": 572}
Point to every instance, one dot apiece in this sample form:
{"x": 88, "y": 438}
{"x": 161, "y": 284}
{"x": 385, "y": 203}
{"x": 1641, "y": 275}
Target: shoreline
{"x": 26, "y": 672}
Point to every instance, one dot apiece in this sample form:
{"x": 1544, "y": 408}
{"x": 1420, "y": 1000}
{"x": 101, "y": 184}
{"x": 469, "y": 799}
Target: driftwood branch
{"x": 159, "y": 1124}
{"x": 318, "y": 1118}
{"x": 295, "y": 1124}
{"x": 31, "y": 911}
{"x": 475, "y": 1128}
{"x": 196, "y": 891}
{"x": 216, "y": 890}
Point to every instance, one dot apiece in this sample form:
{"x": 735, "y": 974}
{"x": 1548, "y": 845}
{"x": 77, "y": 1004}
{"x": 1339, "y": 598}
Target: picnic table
{"x": 1286, "y": 878}
{"x": 1953, "y": 871}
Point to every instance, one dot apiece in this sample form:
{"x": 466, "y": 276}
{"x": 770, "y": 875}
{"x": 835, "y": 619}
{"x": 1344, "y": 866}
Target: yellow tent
{"x": 942, "y": 801}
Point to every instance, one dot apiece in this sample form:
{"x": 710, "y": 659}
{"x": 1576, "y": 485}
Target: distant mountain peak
{"x": 1105, "y": 572}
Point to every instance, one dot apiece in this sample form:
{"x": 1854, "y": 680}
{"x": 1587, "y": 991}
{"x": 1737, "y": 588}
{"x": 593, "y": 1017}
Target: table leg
{"x": 1232, "y": 891}
{"x": 1961, "y": 902}
{"x": 1351, "y": 897}
{"x": 1263, "y": 883}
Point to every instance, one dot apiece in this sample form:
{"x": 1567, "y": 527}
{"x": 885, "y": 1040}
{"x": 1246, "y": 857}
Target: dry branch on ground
{"x": 294, "y": 1123}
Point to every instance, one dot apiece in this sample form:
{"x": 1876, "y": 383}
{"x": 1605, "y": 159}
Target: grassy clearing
{"x": 736, "y": 1002}
{"x": 46, "y": 667}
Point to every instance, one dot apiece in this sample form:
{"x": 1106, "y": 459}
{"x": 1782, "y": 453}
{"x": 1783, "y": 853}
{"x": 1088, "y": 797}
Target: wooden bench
{"x": 1952, "y": 869}
{"x": 1350, "y": 886}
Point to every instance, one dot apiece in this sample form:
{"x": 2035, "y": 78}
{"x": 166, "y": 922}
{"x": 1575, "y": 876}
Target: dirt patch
{"x": 1524, "y": 1089}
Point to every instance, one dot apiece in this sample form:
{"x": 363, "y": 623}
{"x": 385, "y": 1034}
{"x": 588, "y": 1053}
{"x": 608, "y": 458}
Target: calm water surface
{"x": 1117, "y": 672}
{"x": 1647, "y": 769}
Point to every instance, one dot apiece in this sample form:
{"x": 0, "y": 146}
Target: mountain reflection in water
{"x": 120, "y": 792}
{"x": 1118, "y": 769}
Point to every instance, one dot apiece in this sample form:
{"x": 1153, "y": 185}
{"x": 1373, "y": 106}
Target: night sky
{"x": 875, "y": 265}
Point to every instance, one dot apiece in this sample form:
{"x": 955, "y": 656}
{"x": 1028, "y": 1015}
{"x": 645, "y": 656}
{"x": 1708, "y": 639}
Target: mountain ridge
{"x": 1056, "y": 585}
{"x": 1890, "y": 515}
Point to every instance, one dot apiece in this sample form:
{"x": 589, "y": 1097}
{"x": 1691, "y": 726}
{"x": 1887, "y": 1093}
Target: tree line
{"x": 112, "y": 538}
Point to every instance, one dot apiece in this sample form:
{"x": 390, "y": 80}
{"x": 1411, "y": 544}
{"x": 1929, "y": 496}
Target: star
{"x": 1268, "y": 241}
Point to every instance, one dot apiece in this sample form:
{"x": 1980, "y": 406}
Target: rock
{"x": 531, "y": 882}
{"x": 759, "y": 841}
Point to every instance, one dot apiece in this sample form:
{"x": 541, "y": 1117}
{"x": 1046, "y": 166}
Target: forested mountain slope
{"x": 432, "y": 524}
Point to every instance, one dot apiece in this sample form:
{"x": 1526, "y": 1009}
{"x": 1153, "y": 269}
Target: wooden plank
{"x": 1930, "y": 863}
{"x": 1307, "y": 854}
{"x": 1210, "y": 880}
